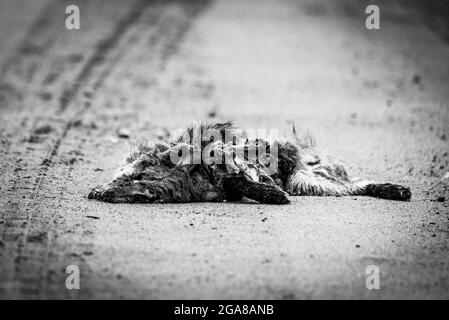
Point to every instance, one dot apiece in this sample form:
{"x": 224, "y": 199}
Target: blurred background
{"x": 71, "y": 102}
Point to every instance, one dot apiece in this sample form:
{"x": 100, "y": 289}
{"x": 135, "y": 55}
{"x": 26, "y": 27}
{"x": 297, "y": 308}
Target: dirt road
{"x": 377, "y": 99}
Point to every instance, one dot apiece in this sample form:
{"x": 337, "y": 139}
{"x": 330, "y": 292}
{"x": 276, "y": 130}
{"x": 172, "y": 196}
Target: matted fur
{"x": 151, "y": 175}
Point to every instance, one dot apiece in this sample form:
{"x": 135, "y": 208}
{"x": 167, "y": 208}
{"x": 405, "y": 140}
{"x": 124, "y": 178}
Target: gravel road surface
{"x": 377, "y": 99}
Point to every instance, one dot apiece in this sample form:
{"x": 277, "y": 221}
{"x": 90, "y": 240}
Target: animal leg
{"x": 320, "y": 183}
{"x": 261, "y": 192}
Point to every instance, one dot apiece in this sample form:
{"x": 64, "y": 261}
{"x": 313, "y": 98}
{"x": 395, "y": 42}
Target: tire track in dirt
{"x": 25, "y": 48}
{"x": 165, "y": 36}
{"x": 167, "y": 42}
{"x": 20, "y": 233}
{"x": 104, "y": 48}
{"x": 98, "y": 58}
{"x": 38, "y": 26}
{"x": 61, "y": 61}
{"x": 92, "y": 75}
{"x": 17, "y": 141}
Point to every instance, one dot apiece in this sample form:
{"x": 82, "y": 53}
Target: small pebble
{"x": 45, "y": 129}
{"x": 123, "y": 133}
{"x": 416, "y": 79}
{"x": 212, "y": 114}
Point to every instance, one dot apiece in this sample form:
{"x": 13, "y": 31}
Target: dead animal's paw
{"x": 389, "y": 191}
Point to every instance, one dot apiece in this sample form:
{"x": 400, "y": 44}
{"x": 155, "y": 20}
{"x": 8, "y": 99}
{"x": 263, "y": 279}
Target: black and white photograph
{"x": 224, "y": 150}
